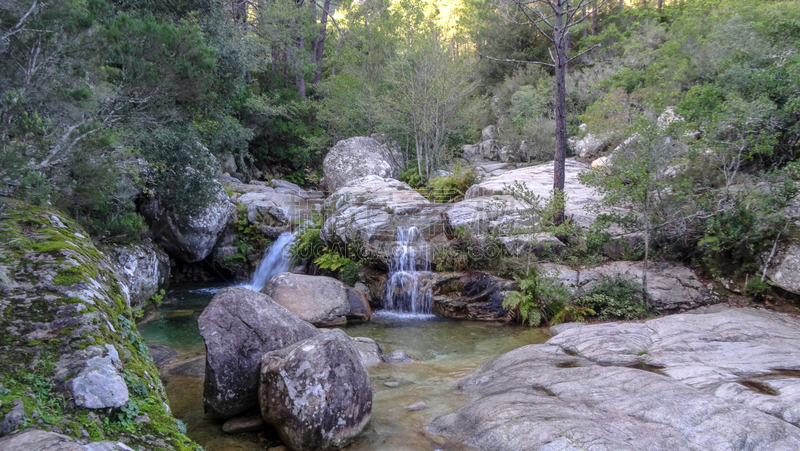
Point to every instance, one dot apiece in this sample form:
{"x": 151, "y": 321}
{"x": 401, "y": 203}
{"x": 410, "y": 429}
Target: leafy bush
{"x": 349, "y": 273}
{"x": 615, "y": 297}
{"x": 451, "y": 259}
{"x": 449, "y": 188}
{"x": 307, "y": 245}
{"x": 571, "y": 312}
{"x": 540, "y": 298}
{"x": 410, "y": 175}
{"x": 757, "y": 289}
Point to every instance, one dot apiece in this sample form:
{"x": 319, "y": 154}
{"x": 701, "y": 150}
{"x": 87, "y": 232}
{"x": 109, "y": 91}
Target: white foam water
{"x": 275, "y": 261}
{"x": 408, "y": 289}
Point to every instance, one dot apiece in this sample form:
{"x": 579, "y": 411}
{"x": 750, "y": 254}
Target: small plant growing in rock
{"x": 541, "y": 297}
{"x": 615, "y": 298}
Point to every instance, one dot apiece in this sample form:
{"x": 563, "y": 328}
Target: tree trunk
{"x": 660, "y": 4}
{"x": 299, "y": 80}
{"x": 646, "y": 244}
{"x": 562, "y": 59}
{"x": 320, "y": 45}
{"x": 594, "y": 21}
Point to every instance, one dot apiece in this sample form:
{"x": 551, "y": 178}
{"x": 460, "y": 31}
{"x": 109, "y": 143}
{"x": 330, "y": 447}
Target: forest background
{"x": 104, "y": 102}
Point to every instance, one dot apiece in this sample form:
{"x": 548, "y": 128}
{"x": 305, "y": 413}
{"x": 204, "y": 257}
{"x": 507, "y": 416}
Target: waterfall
{"x": 408, "y": 289}
{"x": 275, "y": 261}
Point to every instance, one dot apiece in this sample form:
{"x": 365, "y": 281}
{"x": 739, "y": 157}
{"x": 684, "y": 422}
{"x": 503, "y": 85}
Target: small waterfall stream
{"x": 408, "y": 289}
{"x": 275, "y": 261}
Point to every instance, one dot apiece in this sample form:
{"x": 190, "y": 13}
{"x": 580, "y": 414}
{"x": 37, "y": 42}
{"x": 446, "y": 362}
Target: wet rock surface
{"x": 238, "y": 327}
{"x": 709, "y": 381}
{"x": 474, "y": 295}
{"x": 316, "y": 393}
{"x": 367, "y": 212}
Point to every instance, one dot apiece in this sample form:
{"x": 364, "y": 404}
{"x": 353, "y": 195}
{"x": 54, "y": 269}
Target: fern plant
{"x": 540, "y": 298}
{"x": 332, "y": 260}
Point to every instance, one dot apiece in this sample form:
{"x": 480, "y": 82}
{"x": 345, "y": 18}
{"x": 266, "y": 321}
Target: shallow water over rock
{"x": 444, "y": 351}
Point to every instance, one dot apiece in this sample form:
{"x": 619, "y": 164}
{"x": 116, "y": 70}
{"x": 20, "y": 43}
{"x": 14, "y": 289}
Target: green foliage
{"x": 541, "y": 297}
{"x": 157, "y": 297}
{"x": 734, "y": 239}
{"x": 251, "y": 237}
{"x": 349, "y": 273}
{"x": 571, "y": 313}
{"x": 542, "y": 212}
{"x": 757, "y": 289}
{"x": 411, "y": 175}
{"x": 182, "y": 169}
{"x": 332, "y": 260}
{"x": 451, "y": 259}
{"x": 615, "y": 298}
{"x": 450, "y": 188}
{"x": 307, "y": 245}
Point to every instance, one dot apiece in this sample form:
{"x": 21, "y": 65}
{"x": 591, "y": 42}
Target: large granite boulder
{"x": 238, "y": 327}
{"x": 357, "y": 157}
{"x": 145, "y": 268}
{"x": 322, "y": 301}
{"x": 188, "y": 238}
{"x": 68, "y": 333}
{"x": 539, "y": 180}
{"x": 716, "y": 381}
{"x": 589, "y": 147}
{"x": 670, "y": 286}
{"x": 365, "y": 215}
{"x": 784, "y": 268}
{"x": 316, "y": 393}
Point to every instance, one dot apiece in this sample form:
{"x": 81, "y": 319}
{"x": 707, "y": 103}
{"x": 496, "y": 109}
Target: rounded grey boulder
{"x": 358, "y": 157}
{"x": 238, "y": 327}
{"x": 316, "y": 393}
{"x": 322, "y": 301}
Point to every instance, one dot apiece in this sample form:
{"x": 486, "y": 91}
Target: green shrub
{"x": 450, "y": 188}
{"x": 572, "y": 312}
{"x": 615, "y": 298}
{"x": 349, "y": 273}
{"x": 757, "y": 289}
{"x": 411, "y": 176}
{"x": 307, "y": 245}
{"x": 540, "y": 298}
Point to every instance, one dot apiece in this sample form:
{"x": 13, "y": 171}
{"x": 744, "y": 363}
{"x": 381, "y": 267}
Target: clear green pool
{"x": 445, "y": 351}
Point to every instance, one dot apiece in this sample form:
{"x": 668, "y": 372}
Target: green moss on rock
{"x": 62, "y": 304}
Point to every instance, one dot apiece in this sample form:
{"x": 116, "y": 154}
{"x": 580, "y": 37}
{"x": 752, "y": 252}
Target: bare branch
{"x": 18, "y": 27}
{"x": 508, "y": 60}
{"x": 585, "y": 51}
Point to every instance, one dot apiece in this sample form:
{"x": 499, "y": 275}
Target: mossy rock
{"x": 62, "y": 305}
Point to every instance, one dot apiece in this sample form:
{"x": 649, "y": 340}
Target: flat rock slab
{"x": 539, "y": 179}
{"x": 38, "y": 440}
{"x": 719, "y": 381}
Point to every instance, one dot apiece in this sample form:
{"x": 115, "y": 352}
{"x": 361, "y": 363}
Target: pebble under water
{"x": 445, "y": 351}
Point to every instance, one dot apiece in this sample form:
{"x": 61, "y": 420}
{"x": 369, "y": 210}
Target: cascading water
{"x": 408, "y": 289}
{"x": 275, "y": 261}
